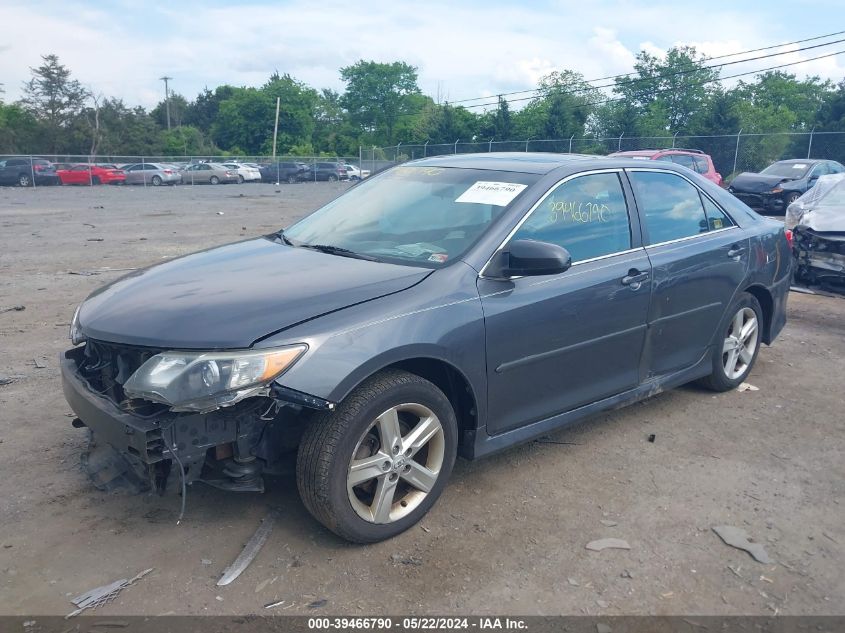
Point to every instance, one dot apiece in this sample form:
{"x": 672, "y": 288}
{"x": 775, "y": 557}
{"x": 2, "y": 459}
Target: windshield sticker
{"x": 799, "y": 166}
{"x": 438, "y": 257}
{"x": 499, "y": 194}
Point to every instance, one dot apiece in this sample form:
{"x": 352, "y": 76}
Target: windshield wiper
{"x": 338, "y": 250}
{"x": 281, "y": 235}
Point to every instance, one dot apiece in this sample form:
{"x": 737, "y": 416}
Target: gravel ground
{"x": 508, "y": 535}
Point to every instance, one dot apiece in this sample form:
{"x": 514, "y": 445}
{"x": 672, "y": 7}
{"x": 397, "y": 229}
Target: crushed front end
{"x": 138, "y": 442}
{"x": 819, "y": 257}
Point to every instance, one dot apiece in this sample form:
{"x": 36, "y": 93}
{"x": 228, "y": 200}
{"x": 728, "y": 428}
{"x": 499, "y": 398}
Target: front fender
{"x": 440, "y": 318}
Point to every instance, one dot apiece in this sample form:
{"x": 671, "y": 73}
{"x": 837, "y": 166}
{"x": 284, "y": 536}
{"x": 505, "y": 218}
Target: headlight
{"x": 777, "y": 190}
{"x": 76, "y": 335}
{"x": 203, "y": 381}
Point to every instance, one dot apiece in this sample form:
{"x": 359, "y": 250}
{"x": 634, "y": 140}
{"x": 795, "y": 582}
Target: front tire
{"x": 737, "y": 345}
{"x": 375, "y": 466}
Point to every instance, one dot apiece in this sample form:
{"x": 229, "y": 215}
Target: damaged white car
{"x": 817, "y": 222}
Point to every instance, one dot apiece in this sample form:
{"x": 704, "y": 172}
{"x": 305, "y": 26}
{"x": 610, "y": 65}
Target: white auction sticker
{"x": 496, "y": 193}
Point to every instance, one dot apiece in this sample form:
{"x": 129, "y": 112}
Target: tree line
{"x": 382, "y": 105}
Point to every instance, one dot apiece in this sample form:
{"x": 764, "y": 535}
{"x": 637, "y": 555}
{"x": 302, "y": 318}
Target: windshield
{"x": 424, "y": 216}
{"x": 786, "y": 170}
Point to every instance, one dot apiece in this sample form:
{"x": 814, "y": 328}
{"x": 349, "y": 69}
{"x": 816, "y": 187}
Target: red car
{"x": 91, "y": 175}
{"x": 693, "y": 159}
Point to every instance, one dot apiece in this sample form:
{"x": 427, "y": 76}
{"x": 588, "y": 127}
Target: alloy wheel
{"x": 396, "y": 463}
{"x": 740, "y": 343}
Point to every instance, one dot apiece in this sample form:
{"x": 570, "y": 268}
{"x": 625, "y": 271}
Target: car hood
{"x": 757, "y": 183}
{"x": 229, "y": 297}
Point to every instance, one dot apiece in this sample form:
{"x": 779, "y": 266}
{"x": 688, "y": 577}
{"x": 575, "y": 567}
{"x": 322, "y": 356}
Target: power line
{"x": 750, "y": 72}
{"x": 705, "y": 59}
{"x": 651, "y": 78}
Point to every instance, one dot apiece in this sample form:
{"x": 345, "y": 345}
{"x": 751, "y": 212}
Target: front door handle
{"x": 736, "y": 250}
{"x": 634, "y": 278}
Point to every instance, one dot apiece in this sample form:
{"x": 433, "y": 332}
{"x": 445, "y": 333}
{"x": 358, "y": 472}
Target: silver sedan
{"x": 211, "y": 173}
{"x": 154, "y": 174}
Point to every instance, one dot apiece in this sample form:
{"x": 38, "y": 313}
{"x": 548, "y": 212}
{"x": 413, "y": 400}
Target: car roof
{"x": 528, "y": 162}
{"x": 802, "y": 161}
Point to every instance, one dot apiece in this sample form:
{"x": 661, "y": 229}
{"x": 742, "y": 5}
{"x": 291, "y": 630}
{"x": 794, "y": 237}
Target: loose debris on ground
{"x": 103, "y": 595}
{"x": 738, "y": 538}
{"x": 250, "y": 550}
{"x": 607, "y": 543}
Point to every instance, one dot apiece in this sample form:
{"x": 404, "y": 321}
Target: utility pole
{"x": 276, "y": 127}
{"x": 165, "y": 79}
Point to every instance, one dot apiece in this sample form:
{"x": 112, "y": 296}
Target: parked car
{"x": 210, "y": 173}
{"x": 781, "y": 183}
{"x": 693, "y": 159}
{"x": 355, "y": 173}
{"x": 84, "y": 174}
{"x": 154, "y": 174}
{"x": 327, "y": 171}
{"x": 817, "y": 223}
{"x": 245, "y": 173}
{"x": 285, "y": 171}
{"x": 451, "y": 305}
{"x": 27, "y": 171}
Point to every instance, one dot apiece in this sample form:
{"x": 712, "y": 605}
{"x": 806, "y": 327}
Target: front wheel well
{"x": 764, "y": 297}
{"x": 452, "y": 383}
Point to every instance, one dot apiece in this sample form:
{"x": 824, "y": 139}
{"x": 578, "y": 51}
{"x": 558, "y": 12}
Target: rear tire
{"x": 292, "y": 179}
{"x": 373, "y": 467}
{"x": 156, "y": 181}
{"x": 332, "y": 178}
{"x": 737, "y": 344}
{"x": 214, "y": 180}
{"x": 25, "y": 180}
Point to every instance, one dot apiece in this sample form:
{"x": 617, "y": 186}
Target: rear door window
{"x": 684, "y": 160}
{"x": 670, "y": 206}
{"x": 716, "y": 218}
{"x": 587, "y": 215}
{"x": 701, "y": 164}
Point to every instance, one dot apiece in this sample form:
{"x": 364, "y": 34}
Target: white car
{"x": 356, "y": 174}
{"x": 246, "y": 173}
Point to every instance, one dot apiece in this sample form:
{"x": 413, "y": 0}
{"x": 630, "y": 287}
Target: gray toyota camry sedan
{"x": 450, "y": 306}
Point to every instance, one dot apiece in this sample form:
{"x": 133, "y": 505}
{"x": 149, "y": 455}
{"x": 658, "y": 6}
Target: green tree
{"x": 185, "y": 140}
{"x": 681, "y": 84}
{"x": 297, "y": 111}
{"x": 19, "y": 130}
{"x": 178, "y": 106}
{"x": 244, "y": 121}
{"x": 53, "y": 98}
{"x": 377, "y": 95}
{"x": 202, "y": 111}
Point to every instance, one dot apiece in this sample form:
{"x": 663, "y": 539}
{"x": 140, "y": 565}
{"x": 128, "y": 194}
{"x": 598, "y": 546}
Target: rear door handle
{"x": 736, "y": 250}
{"x": 635, "y": 278}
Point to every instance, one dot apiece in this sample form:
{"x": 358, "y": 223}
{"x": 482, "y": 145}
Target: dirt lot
{"x": 508, "y": 535}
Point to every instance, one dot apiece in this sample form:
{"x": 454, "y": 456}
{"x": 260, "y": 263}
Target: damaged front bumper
{"x": 819, "y": 256}
{"x": 243, "y": 440}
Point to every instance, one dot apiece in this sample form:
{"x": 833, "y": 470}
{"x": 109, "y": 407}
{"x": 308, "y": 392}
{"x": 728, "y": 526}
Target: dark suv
{"x": 24, "y": 171}
{"x": 693, "y": 159}
{"x": 328, "y": 171}
{"x": 284, "y": 172}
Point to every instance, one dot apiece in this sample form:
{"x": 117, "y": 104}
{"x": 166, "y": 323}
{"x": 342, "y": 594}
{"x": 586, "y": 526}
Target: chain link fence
{"x": 49, "y": 169}
{"x": 731, "y": 153}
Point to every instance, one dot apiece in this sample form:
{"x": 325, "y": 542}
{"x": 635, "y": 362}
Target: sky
{"x": 462, "y": 49}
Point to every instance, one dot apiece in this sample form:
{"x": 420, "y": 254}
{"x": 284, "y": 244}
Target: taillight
{"x": 788, "y": 234}
{"x": 38, "y": 167}
{"x": 168, "y": 171}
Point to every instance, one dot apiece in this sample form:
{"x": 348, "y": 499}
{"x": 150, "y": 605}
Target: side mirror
{"x": 530, "y": 258}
